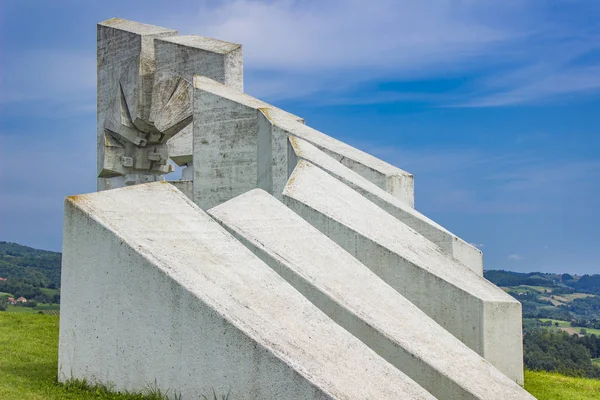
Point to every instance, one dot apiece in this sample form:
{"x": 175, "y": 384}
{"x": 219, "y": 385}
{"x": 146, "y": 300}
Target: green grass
{"x": 566, "y": 324}
{"x": 50, "y": 292}
{"x": 32, "y": 310}
{"x": 562, "y": 324}
{"x": 28, "y": 363}
{"x": 4, "y": 294}
{"x": 550, "y": 386}
{"x": 20, "y": 309}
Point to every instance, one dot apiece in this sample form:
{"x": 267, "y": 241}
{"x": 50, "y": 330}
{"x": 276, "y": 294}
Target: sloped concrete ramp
{"x": 478, "y": 313}
{"x": 358, "y": 300}
{"x": 155, "y": 292}
{"x": 458, "y": 248}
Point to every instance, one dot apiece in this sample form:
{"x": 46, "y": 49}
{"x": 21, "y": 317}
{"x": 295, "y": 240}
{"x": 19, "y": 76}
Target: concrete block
{"x": 228, "y": 125}
{"x": 145, "y": 94}
{"x": 188, "y": 55}
{"x": 458, "y": 248}
{"x": 362, "y": 303}
{"x": 226, "y": 131}
{"x": 478, "y": 313}
{"x": 391, "y": 179}
{"x": 155, "y": 292}
{"x": 125, "y": 56}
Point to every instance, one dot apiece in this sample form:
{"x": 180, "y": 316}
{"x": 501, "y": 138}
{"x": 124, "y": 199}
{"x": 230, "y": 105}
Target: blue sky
{"x": 493, "y": 105}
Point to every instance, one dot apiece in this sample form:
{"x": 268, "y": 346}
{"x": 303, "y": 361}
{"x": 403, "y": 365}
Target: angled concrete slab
{"x": 226, "y": 139}
{"x": 232, "y": 125}
{"x": 155, "y": 292}
{"x": 358, "y": 300}
{"x": 474, "y": 310}
{"x": 458, "y": 248}
{"x": 391, "y": 179}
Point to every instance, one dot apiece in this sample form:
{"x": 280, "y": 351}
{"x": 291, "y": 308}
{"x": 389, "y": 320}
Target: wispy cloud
{"x": 512, "y": 52}
{"x": 515, "y": 257}
{"x": 518, "y": 52}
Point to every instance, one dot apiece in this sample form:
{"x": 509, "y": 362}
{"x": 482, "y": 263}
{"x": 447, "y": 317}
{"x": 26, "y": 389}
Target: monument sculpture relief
{"x": 284, "y": 264}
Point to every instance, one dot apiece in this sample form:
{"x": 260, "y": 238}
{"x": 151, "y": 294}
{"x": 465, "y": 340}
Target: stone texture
{"x": 359, "y": 301}
{"x": 145, "y": 95}
{"x": 391, "y": 179}
{"x": 228, "y": 125}
{"x": 458, "y": 248}
{"x": 478, "y": 313}
{"x": 154, "y": 292}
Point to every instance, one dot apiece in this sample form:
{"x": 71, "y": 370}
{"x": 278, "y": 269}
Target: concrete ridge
{"x": 477, "y": 312}
{"x": 192, "y": 257}
{"x": 203, "y": 43}
{"x": 358, "y": 300}
{"x": 466, "y": 253}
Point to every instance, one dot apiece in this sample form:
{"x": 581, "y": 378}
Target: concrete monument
{"x": 284, "y": 264}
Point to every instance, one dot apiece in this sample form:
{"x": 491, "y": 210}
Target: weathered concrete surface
{"x": 226, "y": 131}
{"x": 125, "y": 49}
{"x": 145, "y": 95}
{"x": 229, "y": 125}
{"x": 478, "y": 313}
{"x": 155, "y": 292}
{"x": 184, "y": 186}
{"x": 358, "y": 300}
{"x": 458, "y": 248}
{"x": 393, "y": 180}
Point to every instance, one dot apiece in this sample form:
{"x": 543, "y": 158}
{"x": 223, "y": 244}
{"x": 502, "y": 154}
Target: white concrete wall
{"x": 227, "y": 149}
{"x": 478, "y": 313}
{"x": 216, "y": 100}
{"x": 121, "y": 44}
{"x": 358, "y": 300}
{"x": 144, "y": 95}
{"x": 154, "y": 292}
{"x": 458, "y": 248}
{"x": 393, "y": 180}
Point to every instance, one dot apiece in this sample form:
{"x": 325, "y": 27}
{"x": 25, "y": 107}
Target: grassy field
{"x": 549, "y": 386}
{"x": 566, "y": 326}
{"x": 28, "y": 363}
{"x": 33, "y": 310}
{"x": 28, "y": 367}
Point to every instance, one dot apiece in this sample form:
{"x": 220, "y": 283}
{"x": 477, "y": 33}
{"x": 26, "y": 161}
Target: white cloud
{"x": 522, "y": 52}
{"x": 518, "y": 51}
{"x": 515, "y": 257}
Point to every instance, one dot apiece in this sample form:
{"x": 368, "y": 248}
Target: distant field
{"x": 5, "y": 294}
{"x": 32, "y": 310}
{"x": 550, "y": 386}
{"x": 50, "y": 292}
{"x": 566, "y": 326}
{"x": 28, "y": 363}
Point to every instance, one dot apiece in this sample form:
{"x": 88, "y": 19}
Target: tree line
{"x": 545, "y": 350}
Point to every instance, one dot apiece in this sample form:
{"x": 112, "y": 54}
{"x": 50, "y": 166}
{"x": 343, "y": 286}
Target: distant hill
{"x": 37, "y": 267}
{"x": 565, "y": 282}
